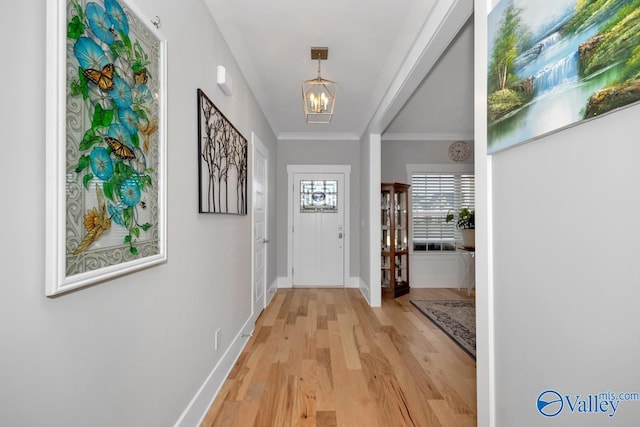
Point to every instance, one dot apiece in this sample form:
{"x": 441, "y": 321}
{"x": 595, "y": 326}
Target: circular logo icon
{"x": 550, "y": 403}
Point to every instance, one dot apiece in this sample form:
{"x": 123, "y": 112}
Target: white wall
{"x": 566, "y": 276}
{"x": 563, "y": 283}
{"x": 135, "y": 350}
{"x": 318, "y": 153}
{"x": 365, "y": 182}
{"x": 396, "y": 155}
{"x": 370, "y": 233}
{"x": 441, "y": 270}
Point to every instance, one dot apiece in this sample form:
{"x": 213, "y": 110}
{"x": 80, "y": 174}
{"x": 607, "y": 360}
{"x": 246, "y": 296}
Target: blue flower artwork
{"x": 89, "y": 54}
{"x": 99, "y": 23}
{"x": 117, "y": 16}
{"x": 130, "y": 192}
{"x": 121, "y": 93}
{"x": 112, "y": 86}
{"x": 106, "y": 180}
{"x": 129, "y": 120}
{"x": 101, "y": 163}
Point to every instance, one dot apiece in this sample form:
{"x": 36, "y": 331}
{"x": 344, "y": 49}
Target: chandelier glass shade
{"x": 319, "y": 95}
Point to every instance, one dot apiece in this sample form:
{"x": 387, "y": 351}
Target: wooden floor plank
{"x": 326, "y": 419}
{"x": 268, "y": 317}
{"x": 324, "y": 381}
{"x": 323, "y": 357}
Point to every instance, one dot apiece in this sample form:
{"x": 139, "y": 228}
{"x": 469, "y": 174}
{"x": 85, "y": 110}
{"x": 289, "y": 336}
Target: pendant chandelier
{"x": 319, "y": 95}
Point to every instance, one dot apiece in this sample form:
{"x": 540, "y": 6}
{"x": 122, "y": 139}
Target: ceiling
{"x": 379, "y": 54}
{"x": 441, "y": 108}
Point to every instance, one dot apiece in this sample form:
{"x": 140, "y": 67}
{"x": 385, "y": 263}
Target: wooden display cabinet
{"x": 395, "y": 239}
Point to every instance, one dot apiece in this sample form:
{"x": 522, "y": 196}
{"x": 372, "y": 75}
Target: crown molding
{"x": 426, "y": 136}
{"x": 318, "y": 136}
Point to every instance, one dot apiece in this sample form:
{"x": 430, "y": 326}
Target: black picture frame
{"x": 222, "y": 162}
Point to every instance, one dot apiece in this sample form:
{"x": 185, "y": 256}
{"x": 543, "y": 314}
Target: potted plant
{"x": 466, "y": 222}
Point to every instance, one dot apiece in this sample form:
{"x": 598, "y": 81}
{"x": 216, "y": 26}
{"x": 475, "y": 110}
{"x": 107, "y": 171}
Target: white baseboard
{"x": 285, "y": 282}
{"x": 201, "y": 402}
{"x": 352, "y": 282}
{"x": 436, "y": 285}
{"x": 364, "y": 290}
{"x": 271, "y": 292}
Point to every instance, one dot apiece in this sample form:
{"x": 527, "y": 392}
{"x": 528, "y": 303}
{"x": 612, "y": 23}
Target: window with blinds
{"x": 433, "y": 197}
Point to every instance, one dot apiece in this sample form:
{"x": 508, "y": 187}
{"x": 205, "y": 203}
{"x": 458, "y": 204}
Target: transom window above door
{"x": 318, "y": 196}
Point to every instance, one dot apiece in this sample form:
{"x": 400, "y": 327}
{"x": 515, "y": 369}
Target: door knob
{"x": 265, "y": 240}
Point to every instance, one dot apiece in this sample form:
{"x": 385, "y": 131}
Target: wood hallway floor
{"x": 323, "y": 357}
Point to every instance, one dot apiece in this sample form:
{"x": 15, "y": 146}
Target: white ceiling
{"x": 379, "y": 52}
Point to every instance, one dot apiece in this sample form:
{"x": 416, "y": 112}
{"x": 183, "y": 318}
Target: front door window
{"x": 318, "y": 196}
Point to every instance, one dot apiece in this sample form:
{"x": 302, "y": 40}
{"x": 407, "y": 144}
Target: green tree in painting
{"x": 506, "y": 92}
{"x": 505, "y": 49}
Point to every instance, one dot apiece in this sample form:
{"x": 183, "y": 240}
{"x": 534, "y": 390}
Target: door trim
{"x": 294, "y": 169}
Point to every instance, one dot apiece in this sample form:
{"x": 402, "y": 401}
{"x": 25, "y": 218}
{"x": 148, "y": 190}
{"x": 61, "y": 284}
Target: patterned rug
{"x": 455, "y": 317}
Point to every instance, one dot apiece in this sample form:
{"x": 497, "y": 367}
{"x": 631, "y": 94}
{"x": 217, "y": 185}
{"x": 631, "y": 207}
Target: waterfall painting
{"x": 555, "y": 63}
{"x": 222, "y": 162}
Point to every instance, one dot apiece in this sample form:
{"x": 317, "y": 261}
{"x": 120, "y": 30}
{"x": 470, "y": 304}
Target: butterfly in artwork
{"x": 104, "y": 78}
{"x": 147, "y": 130}
{"x": 119, "y": 149}
{"x": 141, "y": 77}
{"x": 96, "y": 221}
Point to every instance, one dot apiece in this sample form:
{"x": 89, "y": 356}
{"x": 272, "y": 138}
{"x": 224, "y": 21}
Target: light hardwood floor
{"x": 323, "y": 357}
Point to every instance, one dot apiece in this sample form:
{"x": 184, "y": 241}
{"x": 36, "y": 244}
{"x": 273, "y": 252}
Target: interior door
{"x": 260, "y": 239}
{"x": 318, "y": 230}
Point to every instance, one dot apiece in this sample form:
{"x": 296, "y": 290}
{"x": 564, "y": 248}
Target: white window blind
{"x": 433, "y": 197}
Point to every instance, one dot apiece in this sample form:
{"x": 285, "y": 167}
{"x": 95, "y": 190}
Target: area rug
{"x": 455, "y": 317}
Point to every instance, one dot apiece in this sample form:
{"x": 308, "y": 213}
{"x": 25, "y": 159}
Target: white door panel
{"x": 318, "y": 230}
{"x": 260, "y": 239}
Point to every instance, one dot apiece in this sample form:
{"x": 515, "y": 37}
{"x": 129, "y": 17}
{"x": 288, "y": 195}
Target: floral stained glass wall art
{"x": 106, "y": 156}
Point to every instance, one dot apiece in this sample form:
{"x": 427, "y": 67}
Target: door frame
{"x": 258, "y": 305}
{"x": 295, "y": 169}
{"x": 316, "y": 234}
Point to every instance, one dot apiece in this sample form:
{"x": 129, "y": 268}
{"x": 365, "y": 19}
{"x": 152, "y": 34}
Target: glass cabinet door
{"x": 400, "y": 221}
{"x": 394, "y": 217}
{"x": 385, "y": 215}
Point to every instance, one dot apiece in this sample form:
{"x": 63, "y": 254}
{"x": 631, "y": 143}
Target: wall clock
{"x": 459, "y": 151}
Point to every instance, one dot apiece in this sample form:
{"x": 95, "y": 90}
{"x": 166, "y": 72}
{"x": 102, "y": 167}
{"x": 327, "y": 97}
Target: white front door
{"x": 260, "y": 240}
{"x": 318, "y": 229}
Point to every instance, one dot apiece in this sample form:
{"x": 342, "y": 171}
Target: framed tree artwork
{"x": 222, "y": 162}
{"x": 106, "y": 142}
